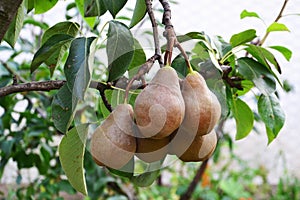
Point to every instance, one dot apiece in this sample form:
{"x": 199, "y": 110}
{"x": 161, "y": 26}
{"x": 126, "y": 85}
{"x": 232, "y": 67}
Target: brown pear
{"x": 159, "y": 108}
{"x": 201, "y": 148}
{"x": 202, "y": 108}
{"x": 151, "y": 150}
{"x": 112, "y": 143}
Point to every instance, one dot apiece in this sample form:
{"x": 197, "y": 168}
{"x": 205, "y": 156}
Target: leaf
{"x": 120, "y": 48}
{"x": 43, "y": 6}
{"x": 114, "y": 6}
{"x": 139, "y": 58}
{"x": 63, "y": 108}
{"x": 287, "y": 53}
{"x": 242, "y": 37}
{"x": 94, "y": 8}
{"x": 243, "y": 116}
{"x": 67, "y": 28}
{"x": 271, "y": 114}
{"x": 71, "y": 155}
{"x": 125, "y": 171}
{"x": 78, "y": 67}
{"x": 246, "y": 13}
{"x": 12, "y": 34}
{"x": 89, "y": 20}
{"x": 147, "y": 178}
{"x": 277, "y": 27}
{"x": 50, "y": 51}
{"x": 180, "y": 66}
{"x": 32, "y": 21}
{"x": 258, "y": 74}
{"x": 138, "y": 13}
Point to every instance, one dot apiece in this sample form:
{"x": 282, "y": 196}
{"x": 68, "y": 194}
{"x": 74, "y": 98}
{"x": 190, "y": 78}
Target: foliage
{"x": 237, "y": 69}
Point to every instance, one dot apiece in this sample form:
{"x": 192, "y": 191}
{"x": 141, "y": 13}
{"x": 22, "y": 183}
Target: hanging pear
{"x": 202, "y": 108}
{"x": 112, "y": 143}
{"x": 159, "y": 108}
{"x": 201, "y": 148}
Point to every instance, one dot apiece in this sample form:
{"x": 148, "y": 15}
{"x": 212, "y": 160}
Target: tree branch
{"x": 187, "y": 195}
{"x": 8, "y": 10}
{"x": 276, "y": 20}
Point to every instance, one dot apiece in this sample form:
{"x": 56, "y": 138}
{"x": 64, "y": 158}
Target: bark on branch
{"x": 8, "y": 10}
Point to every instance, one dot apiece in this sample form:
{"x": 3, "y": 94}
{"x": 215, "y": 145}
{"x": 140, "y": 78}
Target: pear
{"x": 201, "y": 148}
{"x": 202, "y": 108}
{"x": 151, "y": 150}
{"x": 112, "y": 143}
{"x": 159, "y": 108}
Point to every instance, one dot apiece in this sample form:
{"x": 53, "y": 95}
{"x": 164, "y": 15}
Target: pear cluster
{"x": 169, "y": 117}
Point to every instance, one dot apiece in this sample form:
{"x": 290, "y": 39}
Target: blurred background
{"x": 251, "y": 155}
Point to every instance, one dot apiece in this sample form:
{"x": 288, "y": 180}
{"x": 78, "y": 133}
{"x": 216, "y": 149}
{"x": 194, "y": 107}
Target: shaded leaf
{"x": 139, "y": 58}
{"x": 272, "y": 114}
{"x": 287, "y": 53}
{"x": 120, "y": 48}
{"x": 71, "y": 155}
{"x": 138, "y": 13}
{"x": 258, "y": 74}
{"x": 242, "y": 37}
{"x": 89, "y": 20}
{"x": 114, "y": 6}
{"x": 94, "y": 8}
{"x": 147, "y": 178}
{"x": 63, "y": 108}
{"x": 78, "y": 67}
{"x": 125, "y": 171}
{"x": 180, "y": 66}
{"x": 43, "y": 6}
{"x": 277, "y": 27}
{"x": 12, "y": 34}
{"x": 67, "y": 28}
{"x": 246, "y": 13}
{"x": 243, "y": 116}
{"x": 50, "y": 51}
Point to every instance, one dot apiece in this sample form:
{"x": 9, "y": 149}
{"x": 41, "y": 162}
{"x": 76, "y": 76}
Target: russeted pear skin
{"x": 112, "y": 143}
{"x": 159, "y": 108}
{"x": 201, "y": 148}
{"x": 202, "y": 108}
{"x": 151, "y": 150}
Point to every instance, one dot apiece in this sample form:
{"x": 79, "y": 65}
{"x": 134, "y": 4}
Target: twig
{"x": 187, "y": 195}
{"x": 171, "y": 36}
{"x": 276, "y": 20}
{"x": 16, "y": 77}
{"x": 155, "y": 31}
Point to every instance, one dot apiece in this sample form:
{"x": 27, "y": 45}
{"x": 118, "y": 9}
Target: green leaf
{"x": 139, "y": 58}
{"x": 125, "y": 171}
{"x": 63, "y": 108}
{"x": 94, "y": 8}
{"x": 147, "y": 178}
{"x": 50, "y": 51}
{"x": 32, "y": 21}
{"x": 277, "y": 27}
{"x": 258, "y": 74}
{"x": 71, "y": 155}
{"x": 89, "y": 20}
{"x": 246, "y": 13}
{"x": 138, "y": 13}
{"x": 287, "y": 53}
{"x": 243, "y": 116}
{"x": 114, "y": 6}
{"x": 120, "y": 48}
{"x": 14, "y": 29}
{"x": 43, "y": 6}
{"x": 180, "y": 66}
{"x": 242, "y": 37}
{"x": 78, "y": 67}
{"x": 272, "y": 114}
{"x": 67, "y": 28}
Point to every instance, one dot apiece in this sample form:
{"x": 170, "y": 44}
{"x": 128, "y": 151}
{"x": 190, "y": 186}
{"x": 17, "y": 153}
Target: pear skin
{"x": 159, "y": 108}
{"x": 112, "y": 143}
{"x": 202, "y": 108}
{"x": 201, "y": 148}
